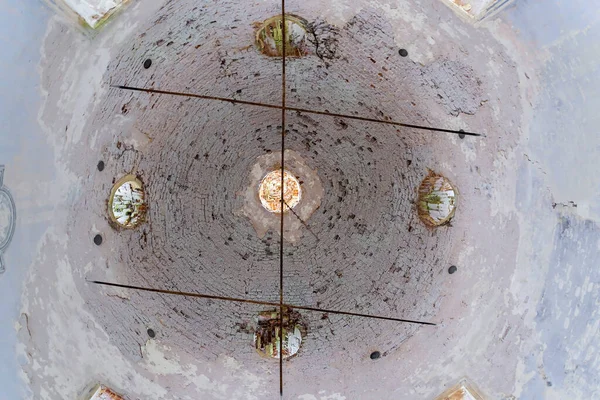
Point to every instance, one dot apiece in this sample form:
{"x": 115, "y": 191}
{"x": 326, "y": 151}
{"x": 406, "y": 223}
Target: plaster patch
{"x": 85, "y": 346}
{"x": 334, "y": 396}
{"x": 261, "y": 217}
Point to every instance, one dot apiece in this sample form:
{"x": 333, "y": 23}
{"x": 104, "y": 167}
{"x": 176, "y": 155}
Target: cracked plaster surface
{"x": 499, "y": 318}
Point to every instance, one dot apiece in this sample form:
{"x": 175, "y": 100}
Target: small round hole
{"x": 461, "y": 135}
{"x": 100, "y": 165}
{"x": 375, "y": 355}
{"x": 151, "y": 333}
{"x": 403, "y": 52}
{"x": 147, "y": 63}
{"x": 452, "y": 269}
{"x": 98, "y": 240}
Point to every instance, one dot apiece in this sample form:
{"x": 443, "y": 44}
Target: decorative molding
{"x": 476, "y": 11}
{"x": 8, "y": 219}
{"x": 87, "y": 15}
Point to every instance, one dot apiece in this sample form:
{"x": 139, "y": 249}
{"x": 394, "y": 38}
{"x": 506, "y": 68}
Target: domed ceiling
{"x": 361, "y": 248}
{"x": 395, "y": 130}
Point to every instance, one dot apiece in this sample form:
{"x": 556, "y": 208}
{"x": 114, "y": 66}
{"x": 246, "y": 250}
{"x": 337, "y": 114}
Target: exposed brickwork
{"x": 372, "y": 254}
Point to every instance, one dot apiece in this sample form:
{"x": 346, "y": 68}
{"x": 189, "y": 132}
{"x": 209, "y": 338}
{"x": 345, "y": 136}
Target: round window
{"x": 437, "y": 200}
{"x": 270, "y": 38}
{"x": 267, "y": 337}
{"x": 270, "y": 191}
{"x": 127, "y": 203}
